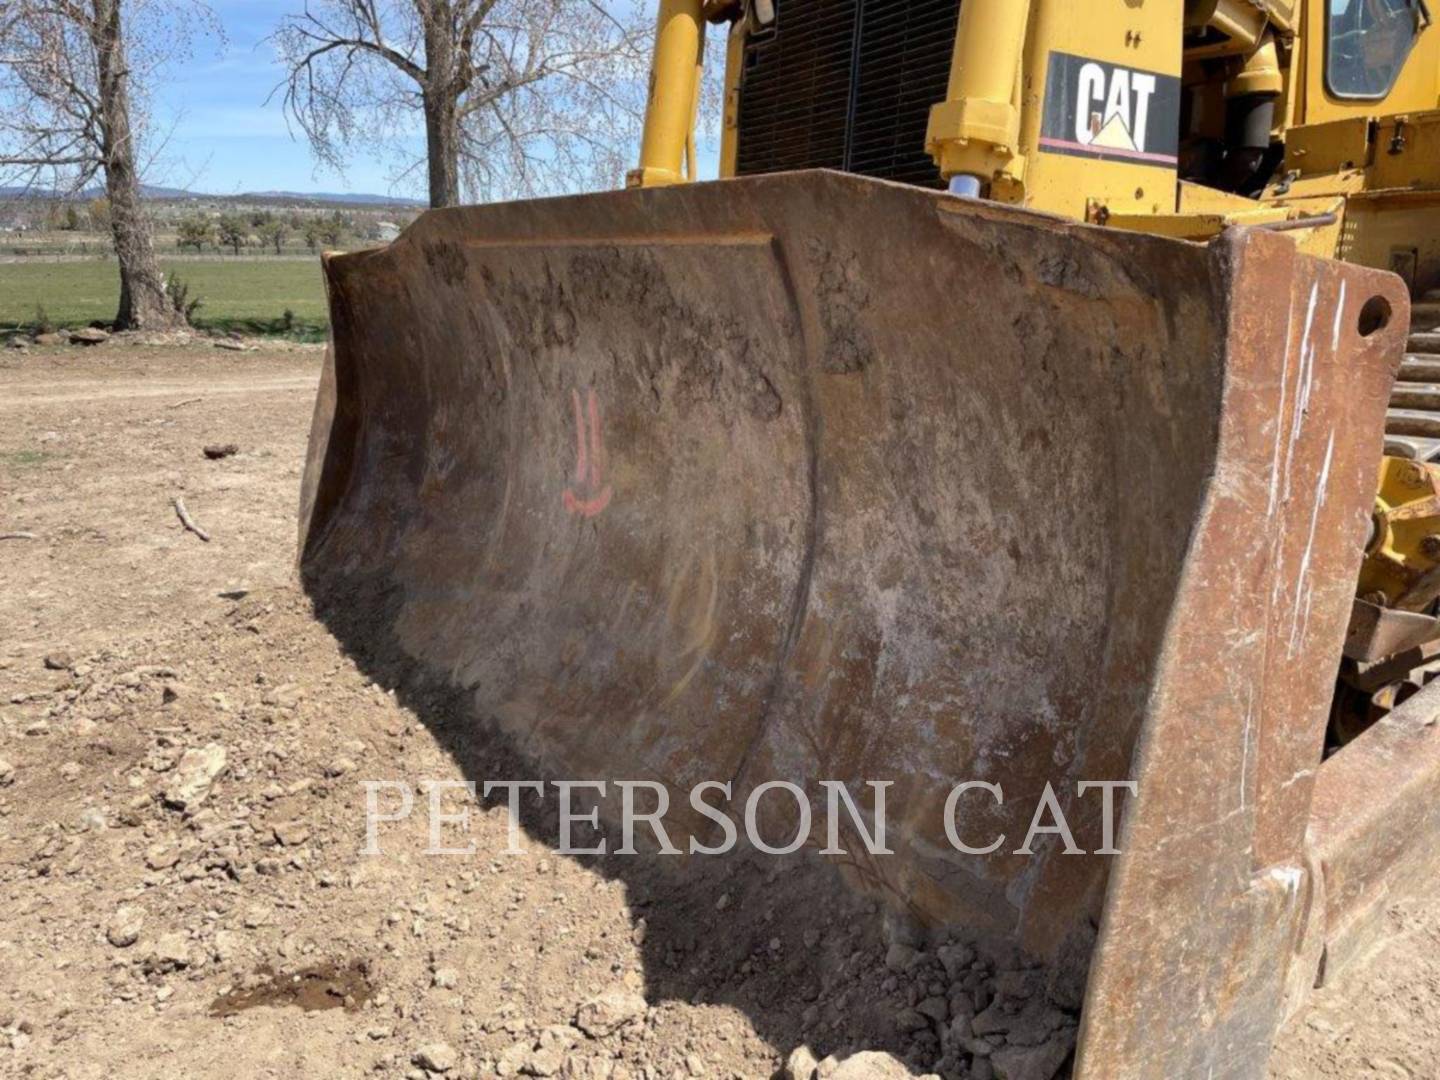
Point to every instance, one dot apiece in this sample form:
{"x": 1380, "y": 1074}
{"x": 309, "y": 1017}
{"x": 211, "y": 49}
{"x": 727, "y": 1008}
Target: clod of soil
{"x": 324, "y": 986}
{"x": 215, "y": 451}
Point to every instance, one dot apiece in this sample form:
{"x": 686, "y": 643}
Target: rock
{"x": 231, "y": 345}
{"x": 89, "y": 335}
{"x": 991, "y": 1021}
{"x": 956, "y": 959}
{"x": 436, "y": 1057}
{"x": 979, "y": 1048}
{"x": 125, "y": 925}
{"x": 161, "y": 856}
{"x": 1065, "y": 985}
{"x": 7, "y": 773}
{"x": 51, "y": 339}
{"x": 172, "y": 951}
{"x": 544, "y": 1061}
{"x": 256, "y": 916}
{"x": 287, "y": 696}
{"x": 871, "y": 1065}
{"x": 1031, "y": 1062}
{"x": 291, "y": 833}
{"x": 70, "y": 771}
{"x": 1031, "y": 1026}
{"x": 216, "y": 451}
{"x": 961, "y": 1003}
{"x": 899, "y": 957}
{"x": 445, "y": 978}
{"x": 339, "y": 767}
{"x": 936, "y": 1008}
{"x": 801, "y": 1064}
{"x": 58, "y": 661}
{"x": 960, "y": 1028}
{"x": 908, "y": 1020}
{"x": 1001, "y": 954}
{"x": 513, "y": 1058}
{"x": 607, "y": 1013}
{"x": 226, "y": 945}
{"x": 1018, "y": 985}
{"x": 189, "y": 785}
{"x": 902, "y": 927}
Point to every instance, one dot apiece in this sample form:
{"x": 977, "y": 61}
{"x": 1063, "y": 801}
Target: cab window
{"x": 1367, "y": 43}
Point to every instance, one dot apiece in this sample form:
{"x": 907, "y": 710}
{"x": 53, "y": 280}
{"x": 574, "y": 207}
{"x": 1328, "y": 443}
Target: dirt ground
{"x": 182, "y": 818}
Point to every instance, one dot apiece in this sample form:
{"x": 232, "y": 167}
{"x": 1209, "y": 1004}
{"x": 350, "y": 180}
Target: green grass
{"x": 249, "y": 296}
{"x": 21, "y": 459}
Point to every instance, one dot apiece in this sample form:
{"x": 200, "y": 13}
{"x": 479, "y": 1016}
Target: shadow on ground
{"x": 826, "y": 986}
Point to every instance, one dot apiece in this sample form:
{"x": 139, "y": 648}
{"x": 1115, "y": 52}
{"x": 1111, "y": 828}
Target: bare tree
{"x": 516, "y": 96}
{"x": 68, "y": 114}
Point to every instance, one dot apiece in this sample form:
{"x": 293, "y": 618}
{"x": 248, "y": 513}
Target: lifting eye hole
{"x": 1375, "y": 315}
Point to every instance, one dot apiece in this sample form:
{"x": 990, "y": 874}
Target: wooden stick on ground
{"x": 187, "y": 401}
{"x": 17, "y": 536}
{"x": 187, "y": 520}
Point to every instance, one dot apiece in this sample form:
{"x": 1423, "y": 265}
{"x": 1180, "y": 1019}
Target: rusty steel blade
{"x": 813, "y": 477}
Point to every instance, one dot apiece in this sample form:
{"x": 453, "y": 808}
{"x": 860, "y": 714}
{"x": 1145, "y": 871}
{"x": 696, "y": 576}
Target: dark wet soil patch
{"x": 324, "y": 986}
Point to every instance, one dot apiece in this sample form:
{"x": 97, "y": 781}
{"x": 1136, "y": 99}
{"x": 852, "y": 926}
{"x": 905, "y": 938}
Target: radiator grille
{"x": 846, "y": 84}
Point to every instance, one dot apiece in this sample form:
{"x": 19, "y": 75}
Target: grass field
{"x": 244, "y": 295}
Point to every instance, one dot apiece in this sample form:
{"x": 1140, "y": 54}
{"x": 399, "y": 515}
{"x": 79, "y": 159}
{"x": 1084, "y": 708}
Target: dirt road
{"x": 181, "y": 814}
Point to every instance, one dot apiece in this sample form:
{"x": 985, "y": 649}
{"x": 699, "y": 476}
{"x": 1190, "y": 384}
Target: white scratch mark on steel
{"x": 1288, "y": 876}
{"x": 1296, "y": 629}
{"x": 1245, "y": 746}
{"x": 1280, "y": 413}
{"x": 1302, "y": 385}
{"x": 1302, "y": 774}
{"x": 1339, "y": 314}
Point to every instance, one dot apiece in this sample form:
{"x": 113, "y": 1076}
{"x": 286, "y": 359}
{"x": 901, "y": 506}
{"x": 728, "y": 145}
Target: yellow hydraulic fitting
{"x": 1402, "y": 557}
{"x": 1261, "y": 73}
{"x": 973, "y": 134}
{"x": 669, "y": 138}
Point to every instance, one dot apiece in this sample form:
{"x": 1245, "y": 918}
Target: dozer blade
{"x": 811, "y": 477}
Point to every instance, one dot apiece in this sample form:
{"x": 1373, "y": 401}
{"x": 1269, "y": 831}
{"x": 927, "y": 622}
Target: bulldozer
{"x": 1019, "y": 406}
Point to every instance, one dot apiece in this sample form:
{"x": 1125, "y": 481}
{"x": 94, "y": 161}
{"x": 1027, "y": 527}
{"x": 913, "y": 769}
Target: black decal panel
{"x": 1099, "y": 110}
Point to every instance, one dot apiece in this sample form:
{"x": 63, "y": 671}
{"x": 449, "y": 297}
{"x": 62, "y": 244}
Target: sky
{"x": 222, "y": 136}
{"x": 224, "y": 139}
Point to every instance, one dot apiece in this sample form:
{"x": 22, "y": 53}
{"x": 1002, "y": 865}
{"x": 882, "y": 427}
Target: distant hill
{"x": 357, "y": 199}
{"x": 166, "y": 194}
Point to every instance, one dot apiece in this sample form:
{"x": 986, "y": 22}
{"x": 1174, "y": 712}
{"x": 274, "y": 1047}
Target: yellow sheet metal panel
{"x": 1396, "y": 230}
{"x": 1418, "y": 84}
{"x": 1322, "y": 149}
{"x": 1102, "y": 108}
{"x": 1199, "y": 199}
{"x": 1407, "y": 152}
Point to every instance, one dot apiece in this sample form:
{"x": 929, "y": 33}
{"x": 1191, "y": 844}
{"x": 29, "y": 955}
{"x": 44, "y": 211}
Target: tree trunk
{"x": 441, "y": 105}
{"x": 442, "y": 150}
{"x": 144, "y": 304}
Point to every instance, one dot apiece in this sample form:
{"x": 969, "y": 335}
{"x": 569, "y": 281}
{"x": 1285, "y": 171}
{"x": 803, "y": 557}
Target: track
{"x": 1412, "y": 424}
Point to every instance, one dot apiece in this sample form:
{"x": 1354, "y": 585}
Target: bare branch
{"x": 513, "y": 96}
